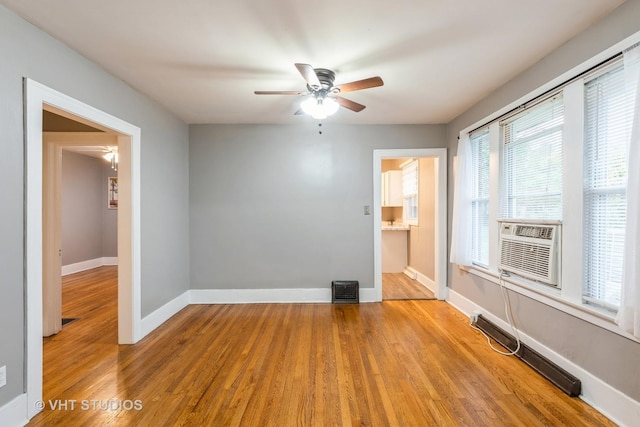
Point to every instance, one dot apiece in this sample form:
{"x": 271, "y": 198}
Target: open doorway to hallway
{"x": 80, "y": 217}
{"x": 80, "y": 228}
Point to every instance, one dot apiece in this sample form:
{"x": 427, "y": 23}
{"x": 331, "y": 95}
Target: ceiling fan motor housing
{"x": 326, "y": 78}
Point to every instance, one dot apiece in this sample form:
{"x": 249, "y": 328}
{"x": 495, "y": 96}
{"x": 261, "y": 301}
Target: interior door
{"x": 51, "y": 238}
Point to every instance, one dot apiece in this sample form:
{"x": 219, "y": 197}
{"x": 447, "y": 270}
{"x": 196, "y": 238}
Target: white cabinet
{"x": 392, "y": 188}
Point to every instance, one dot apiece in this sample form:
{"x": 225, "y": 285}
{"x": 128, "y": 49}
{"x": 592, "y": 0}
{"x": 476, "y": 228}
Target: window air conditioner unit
{"x": 530, "y": 250}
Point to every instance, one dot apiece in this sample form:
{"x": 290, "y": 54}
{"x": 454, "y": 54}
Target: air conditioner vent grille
{"x": 526, "y": 257}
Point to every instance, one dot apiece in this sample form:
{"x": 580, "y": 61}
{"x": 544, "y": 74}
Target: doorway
{"x": 84, "y": 223}
{"x": 38, "y": 98}
{"x": 438, "y": 160}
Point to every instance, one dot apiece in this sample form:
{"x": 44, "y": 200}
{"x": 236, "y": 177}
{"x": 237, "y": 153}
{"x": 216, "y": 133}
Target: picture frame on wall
{"x": 112, "y": 192}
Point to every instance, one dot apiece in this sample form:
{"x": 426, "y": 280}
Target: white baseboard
{"x": 164, "y": 313}
{"x": 249, "y": 296}
{"x": 14, "y": 413}
{"x": 410, "y": 273}
{"x": 421, "y": 278}
{"x": 612, "y": 403}
{"x": 252, "y": 296}
{"x": 88, "y": 265}
{"x": 368, "y": 295}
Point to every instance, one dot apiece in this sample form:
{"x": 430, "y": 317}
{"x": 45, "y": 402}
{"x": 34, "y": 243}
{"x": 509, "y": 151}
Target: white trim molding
{"x": 610, "y": 402}
{"x": 253, "y": 296}
{"x": 14, "y": 412}
{"x": 258, "y": 296}
{"x": 88, "y": 265}
{"x": 420, "y": 278}
{"x": 153, "y": 320}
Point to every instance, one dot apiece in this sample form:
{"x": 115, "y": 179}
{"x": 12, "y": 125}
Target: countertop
{"x": 397, "y": 226}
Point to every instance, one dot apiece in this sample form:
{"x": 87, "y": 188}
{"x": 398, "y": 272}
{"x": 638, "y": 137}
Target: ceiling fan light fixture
{"x": 320, "y": 107}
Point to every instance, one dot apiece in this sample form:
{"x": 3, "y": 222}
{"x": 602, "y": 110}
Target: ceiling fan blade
{"x": 351, "y": 105}
{"x": 360, "y": 84}
{"x": 298, "y": 112}
{"x": 309, "y": 75}
{"x": 279, "y": 92}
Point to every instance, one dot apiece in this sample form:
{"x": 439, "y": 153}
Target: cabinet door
{"x": 392, "y": 188}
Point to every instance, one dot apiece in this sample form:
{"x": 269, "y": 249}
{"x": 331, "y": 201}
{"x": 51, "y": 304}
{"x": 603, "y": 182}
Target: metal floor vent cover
{"x": 345, "y": 292}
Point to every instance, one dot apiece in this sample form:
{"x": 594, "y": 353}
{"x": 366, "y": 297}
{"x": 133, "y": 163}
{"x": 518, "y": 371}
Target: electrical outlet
{"x": 3, "y": 376}
{"x": 367, "y": 209}
{"x": 474, "y": 317}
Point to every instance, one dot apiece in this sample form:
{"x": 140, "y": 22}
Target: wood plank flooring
{"x": 396, "y": 363}
{"x": 398, "y": 286}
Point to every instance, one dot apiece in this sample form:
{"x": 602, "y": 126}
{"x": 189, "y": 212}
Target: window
{"x": 532, "y": 162}
{"x": 608, "y": 118}
{"x": 561, "y": 158}
{"x": 480, "y": 197}
{"x": 410, "y": 193}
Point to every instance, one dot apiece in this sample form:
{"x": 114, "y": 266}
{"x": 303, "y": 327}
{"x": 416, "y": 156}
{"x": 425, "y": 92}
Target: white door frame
{"x": 440, "y": 162}
{"x": 37, "y": 98}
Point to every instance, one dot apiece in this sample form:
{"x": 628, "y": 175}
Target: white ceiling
{"x": 202, "y": 59}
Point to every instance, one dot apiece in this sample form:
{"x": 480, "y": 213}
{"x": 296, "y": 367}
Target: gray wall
{"x": 89, "y": 228}
{"x": 28, "y": 52}
{"x": 608, "y": 356}
{"x": 109, "y": 224}
{"x": 277, "y": 206}
{"x": 81, "y": 209}
{"x": 422, "y": 238}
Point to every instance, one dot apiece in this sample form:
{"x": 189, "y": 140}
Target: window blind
{"x": 480, "y": 196}
{"x": 532, "y": 162}
{"x": 410, "y": 192}
{"x": 608, "y": 119}
{"x": 410, "y": 179}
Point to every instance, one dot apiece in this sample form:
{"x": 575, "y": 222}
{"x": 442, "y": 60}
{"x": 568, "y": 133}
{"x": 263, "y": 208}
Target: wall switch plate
{"x": 3, "y": 376}
{"x": 367, "y": 210}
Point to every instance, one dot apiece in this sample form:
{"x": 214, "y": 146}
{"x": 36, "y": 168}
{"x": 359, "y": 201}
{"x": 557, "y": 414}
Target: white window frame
{"x": 410, "y": 197}
{"x": 569, "y": 298}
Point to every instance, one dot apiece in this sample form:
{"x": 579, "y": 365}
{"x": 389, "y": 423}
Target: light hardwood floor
{"x": 398, "y": 286}
{"x": 396, "y": 363}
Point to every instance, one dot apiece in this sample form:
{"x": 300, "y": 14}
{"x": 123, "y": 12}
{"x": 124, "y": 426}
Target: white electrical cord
{"x": 509, "y": 314}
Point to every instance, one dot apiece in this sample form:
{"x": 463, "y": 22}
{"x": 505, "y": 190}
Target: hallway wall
{"x": 89, "y": 228}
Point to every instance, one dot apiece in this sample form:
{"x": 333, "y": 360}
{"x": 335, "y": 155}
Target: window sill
{"x": 552, "y": 297}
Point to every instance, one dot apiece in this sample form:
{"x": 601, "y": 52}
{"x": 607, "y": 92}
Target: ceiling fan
{"x": 325, "y": 99}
